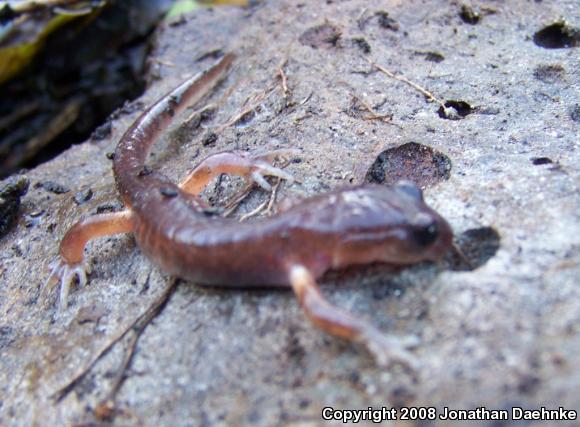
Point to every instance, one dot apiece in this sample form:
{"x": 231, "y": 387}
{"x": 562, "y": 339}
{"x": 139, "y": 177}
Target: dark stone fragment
{"x": 209, "y": 139}
{"x": 536, "y": 161}
{"x": 145, "y": 171}
{"x": 102, "y": 132}
{"x": 83, "y": 196}
{"x": 575, "y": 113}
{"x": 53, "y": 187}
{"x": 387, "y": 22}
{"x": 468, "y": 15}
{"x": 168, "y": 191}
{"x": 322, "y": 36}
{"x": 362, "y": 44}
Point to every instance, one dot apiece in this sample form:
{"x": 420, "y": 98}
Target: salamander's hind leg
{"x": 386, "y": 349}
{"x": 70, "y": 263}
{"x": 253, "y": 166}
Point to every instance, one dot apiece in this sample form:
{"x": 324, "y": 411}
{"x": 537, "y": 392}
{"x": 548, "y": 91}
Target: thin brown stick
{"x": 107, "y": 408}
{"x": 305, "y": 100}
{"x": 233, "y": 204}
{"x": 198, "y": 112}
{"x": 273, "y": 196}
{"x": 162, "y": 62}
{"x": 255, "y": 211}
{"x": 64, "y": 391}
{"x": 459, "y": 252}
{"x": 213, "y": 105}
{"x": 254, "y": 102}
{"x": 283, "y": 78}
{"x": 266, "y": 206}
{"x": 144, "y": 318}
{"x": 358, "y": 19}
{"x": 430, "y": 97}
{"x": 138, "y": 329}
{"x": 374, "y": 115}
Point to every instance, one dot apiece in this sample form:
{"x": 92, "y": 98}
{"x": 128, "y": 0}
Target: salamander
{"x": 348, "y": 226}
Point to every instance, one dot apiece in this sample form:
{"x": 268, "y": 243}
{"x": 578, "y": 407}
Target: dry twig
{"x": 266, "y": 206}
{"x": 374, "y": 115}
{"x": 231, "y": 206}
{"x": 162, "y": 62}
{"x": 255, "y": 211}
{"x": 283, "y": 78}
{"x": 430, "y": 97}
{"x": 273, "y": 196}
{"x": 138, "y": 325}
{"x": 254, "y": 102}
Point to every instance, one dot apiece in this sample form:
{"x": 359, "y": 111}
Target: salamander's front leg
{"x": 386, "y": 349}
{"x": 70, "y": 263}
{"x": 251, "y": 165}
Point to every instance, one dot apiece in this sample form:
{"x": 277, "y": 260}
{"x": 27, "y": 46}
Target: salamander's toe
{"x": 261, "y": 164}
{"x": 260, "y": 169}
{"x": 388, "y": 349}
{"x": 64, "y": 274}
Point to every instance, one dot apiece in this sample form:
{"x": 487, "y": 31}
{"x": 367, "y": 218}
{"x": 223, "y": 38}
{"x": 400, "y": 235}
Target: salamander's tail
{"x": 135, "y": 144}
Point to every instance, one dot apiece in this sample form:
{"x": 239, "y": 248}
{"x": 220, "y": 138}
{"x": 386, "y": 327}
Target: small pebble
{"x": 168, "y": 191}
{"x": 145, "y": 171}
{"x": 83, "y": 196}
{"x": 209, "y": 139}
{"x": 53, "y": 187}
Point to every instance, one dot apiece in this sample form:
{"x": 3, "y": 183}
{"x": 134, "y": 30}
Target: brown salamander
{"x": 172, "y": 226}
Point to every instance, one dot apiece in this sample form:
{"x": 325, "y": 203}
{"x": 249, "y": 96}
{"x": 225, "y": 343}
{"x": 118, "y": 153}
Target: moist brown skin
{"x": 349, "y": 226}
{"x": 332, "y": 230}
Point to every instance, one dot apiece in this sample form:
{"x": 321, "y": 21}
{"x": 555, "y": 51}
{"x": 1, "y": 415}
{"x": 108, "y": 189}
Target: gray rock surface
{"x": 505, "y": 334}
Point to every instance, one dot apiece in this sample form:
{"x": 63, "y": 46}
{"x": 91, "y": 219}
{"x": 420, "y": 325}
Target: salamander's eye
{"x": 426, "y": 234}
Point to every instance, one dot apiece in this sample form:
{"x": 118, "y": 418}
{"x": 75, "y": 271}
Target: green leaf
{"x": 182, "y": 7}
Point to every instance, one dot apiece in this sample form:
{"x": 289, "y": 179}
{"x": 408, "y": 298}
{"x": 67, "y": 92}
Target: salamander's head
{"x": 389, "y": 224}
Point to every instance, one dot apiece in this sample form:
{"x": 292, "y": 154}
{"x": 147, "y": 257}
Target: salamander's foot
{"x": 61, "y": 271}
{"x": 386, "y": 349}
{"x": 252, "y": 166}
{"x": 390, "y": 349}
{"x": 261, "y": 165}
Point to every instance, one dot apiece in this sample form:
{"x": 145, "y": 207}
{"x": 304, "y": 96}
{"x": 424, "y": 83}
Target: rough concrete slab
{"x": 505, "y": 334}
